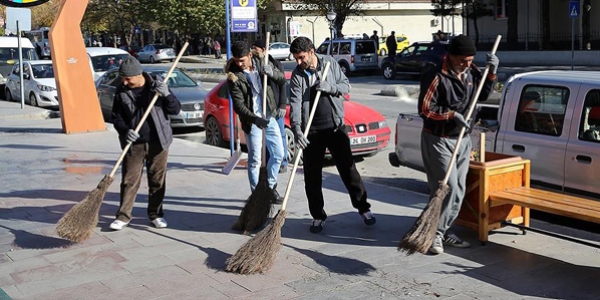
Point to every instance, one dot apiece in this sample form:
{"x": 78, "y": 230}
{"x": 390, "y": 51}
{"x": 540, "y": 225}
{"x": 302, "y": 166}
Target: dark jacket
{"x": 391, "y": 44}
{"x": 241, "y": 91}
{"x": 443, "y": 93}
{"x": 125, "y": 114}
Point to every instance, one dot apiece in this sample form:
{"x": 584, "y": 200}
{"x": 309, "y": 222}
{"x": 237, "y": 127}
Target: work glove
{"x": 161, "y": 88}
{"x": 132, "y": 136}
{"x": 493, "y": 61}
{"x": 460, "y": 121}
{"x": 261, "y": 122}
{"x": 280, "y": 113}
{"x": 267, "y": 70}
{"x": 301, "y": 140}
{"x": 324, "y": 87}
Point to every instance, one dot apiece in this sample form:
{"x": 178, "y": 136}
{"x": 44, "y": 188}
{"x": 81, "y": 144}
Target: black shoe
{"x": 277, "y": 199}
{"x": 368, "y": 218}
{"x": 316, "y": 226}
{"x": 282, "y": 169}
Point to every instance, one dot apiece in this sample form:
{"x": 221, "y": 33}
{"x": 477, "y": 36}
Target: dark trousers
{"x": 338, "y": 143}
{"x": 155, "y": 160}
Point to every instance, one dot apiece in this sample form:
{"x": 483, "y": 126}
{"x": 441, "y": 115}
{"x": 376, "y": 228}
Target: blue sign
{"x": 244, "y": 16}
{"x": 574, "y": 9}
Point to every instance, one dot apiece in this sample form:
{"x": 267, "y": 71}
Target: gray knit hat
{"x": 462, "y": 45}
{"x": 130, "y": 67}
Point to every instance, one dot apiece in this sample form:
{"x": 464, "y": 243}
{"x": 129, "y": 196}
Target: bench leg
{"x": 525, "y": 211}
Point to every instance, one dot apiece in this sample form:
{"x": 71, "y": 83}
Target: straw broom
{"x": 259, "y": 204}
{"x": 79, "y": 222}
{"x": 420, "y": 237}
{"x": 258, "y": 254}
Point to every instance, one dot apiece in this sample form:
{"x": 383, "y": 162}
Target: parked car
{"x": 153, "y": 53}
{"x": 280, "y": 51}
{"x": 366, "y": 127}
{"x": 415, "y": 60}
{"x": 38, "y": 81}
{"x": 9, "y": 54}
{"x": 352, "y": 54}
{"x": 103, "y": 59}
{"x": 401, "y": 43}
{"x": 187, "y": 90}
{"x": 549, "y": 117}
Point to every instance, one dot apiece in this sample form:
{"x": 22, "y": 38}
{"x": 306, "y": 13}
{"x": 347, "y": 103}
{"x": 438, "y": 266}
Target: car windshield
{"x": 43, "y": 71}
{"x": 12, "y": 54}
{"x": 106, "y": 62}
{"x": 177, "y": 79}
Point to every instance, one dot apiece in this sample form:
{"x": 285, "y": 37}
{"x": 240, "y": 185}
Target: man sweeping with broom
{"x": 244, "y": 72}
{"x": 443, "y": 104}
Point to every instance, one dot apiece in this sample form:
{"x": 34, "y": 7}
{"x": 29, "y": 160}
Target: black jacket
{"x": 125, "y": 114}
{"x": 442, "y": 94}
{"x": 241, "y": 91}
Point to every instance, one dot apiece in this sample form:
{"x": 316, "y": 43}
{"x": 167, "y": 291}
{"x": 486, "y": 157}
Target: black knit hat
{"x": 260, "y": 43}
{"x": 462, "y": 45}
{"x": 130, "y": 67}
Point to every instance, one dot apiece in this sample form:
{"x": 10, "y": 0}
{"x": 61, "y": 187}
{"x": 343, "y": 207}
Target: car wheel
{"x": 32, "y": 100}
{"x": 383, "y": 52}
{"x": 152, "y": 60}
{"x": 8, "y": 95}
{"x": 291, "y": 146}
{"x": 214, "y": 135}
{"x": 388, "y": 72}
{"x": 345, "y": 68}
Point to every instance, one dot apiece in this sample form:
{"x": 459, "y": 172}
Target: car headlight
{"x": 382, "y": 124}
{"x": 45, "y": 88}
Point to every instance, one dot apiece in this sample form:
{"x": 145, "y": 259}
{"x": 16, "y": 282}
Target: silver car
{"x": 156, "y": 53}
{"x": 187, "y": 90}
{"x": 38, "y": 81}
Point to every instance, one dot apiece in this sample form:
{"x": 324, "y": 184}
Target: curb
{"x": 45, "y": 114}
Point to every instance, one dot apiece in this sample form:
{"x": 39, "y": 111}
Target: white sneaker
{"x": 438, "y": 245}
{"x": 160, "y": 223}
{"x": 118, "y": 225}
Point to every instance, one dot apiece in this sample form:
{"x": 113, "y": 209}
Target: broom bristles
{"x": 79, "y": 222}
{"x": 258, "y": 206}
{"x": 420, "y": 237}
{"x": 259, "y": 253}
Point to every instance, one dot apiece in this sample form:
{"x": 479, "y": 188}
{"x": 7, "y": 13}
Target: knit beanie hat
{"x": 260, "y": 43}
{"x": 462, "y": 45}
{"x": 130, "y": 67}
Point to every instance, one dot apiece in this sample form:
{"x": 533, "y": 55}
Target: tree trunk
{"x": 512, "y": 32}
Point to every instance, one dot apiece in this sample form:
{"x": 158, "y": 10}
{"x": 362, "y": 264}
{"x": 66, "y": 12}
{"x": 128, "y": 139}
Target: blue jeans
{"x": 274, "y": 147}
{"x": 284, "y": 140}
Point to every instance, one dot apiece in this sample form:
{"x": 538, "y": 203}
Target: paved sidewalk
{"x": 45, "y": 172}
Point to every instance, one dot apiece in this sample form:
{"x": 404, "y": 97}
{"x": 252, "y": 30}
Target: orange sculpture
{"x": 79, "y": 105}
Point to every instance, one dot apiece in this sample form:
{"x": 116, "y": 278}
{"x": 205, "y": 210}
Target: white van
{"x": 103, "y": 59}
{"x": 9, "y": 54}
{"x": 40, "y": 40}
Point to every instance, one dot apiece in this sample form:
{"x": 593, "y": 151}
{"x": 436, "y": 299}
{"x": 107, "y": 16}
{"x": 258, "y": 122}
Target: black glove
{"x": 324, "y": 87}
{"x": 261, "y": 122}
{"x": 493, "y": 61}
{"x": 280, "y": 113}
{"x": 161, "y": 88}
{"x": 460, "y": 121}
{"x": 267, "y": 70}
{"x": 132, "y": 136}
{"x": 301, "y": 140}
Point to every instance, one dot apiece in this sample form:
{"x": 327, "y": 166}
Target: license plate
{"x": 363, "y": 140}
{"x": 192, "y": 115}
{"x": 365, "y": 59}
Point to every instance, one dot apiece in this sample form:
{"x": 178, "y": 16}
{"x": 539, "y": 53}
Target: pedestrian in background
{"x": 244, "y": 79}
{"x": 375, "y": 37}
{"x": 326, "y": 132}
{"x": 217, "y": 47}
{"x": 444, "y": 101}
{"x": 392, "y": 45}
{"x": 281, "y": 98}
{"x": 150, "y": 146}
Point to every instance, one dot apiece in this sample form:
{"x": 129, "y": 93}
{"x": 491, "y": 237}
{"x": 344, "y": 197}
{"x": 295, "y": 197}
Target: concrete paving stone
{"x": 205, "y": 266}
{"x": 141, "y": 278}
{"x": 324, "y": 282}
{"x": 147, "y": 252}
{"x": 517, "y": 265}
{"x": 67, "y": 280}
{"x": 232, "y": 289}
{"x": 7, "y": 280}
{"x": 337, "y": 264}
{"x": 103, "y": 261}
{"x": 195, "y": 294}
{"x": 13, "y": 292}
{"x": 4, "y": 259}
{"x": 57, "y": 245}
{"x": 179, "y": 284}
{"x": 24, "y": 265}
{"x": 144, "y": 264}
{"x": 254, "y": 283}
{"x": 134, "y": 293}
{"x": 183, "y": 256}
{"x": 275, "y": 293}
{"x": 36, "y": 274}
{"x": 288, "y": 267}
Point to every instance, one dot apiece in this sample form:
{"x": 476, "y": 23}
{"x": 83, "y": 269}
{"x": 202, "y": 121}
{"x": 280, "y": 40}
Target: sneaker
{"x": 453, "y": 240}
{"x": 118, "y": 225}
{"x": 282, "y": 169}
{"x": 438, "y": 245}
{"x": 368, "y": 218}
{"x": 277, "y": 199}
{"x": 317, "y": 226}
{"x": 160, "y": 223}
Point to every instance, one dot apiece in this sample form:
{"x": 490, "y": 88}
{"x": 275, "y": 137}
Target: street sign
{"x": 23, "y": 15}
{"x": 574, "y": 9}
{"x": 244, "y": 16}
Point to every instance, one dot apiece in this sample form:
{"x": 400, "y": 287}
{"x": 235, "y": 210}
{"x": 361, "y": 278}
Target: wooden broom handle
{"x": 288, "y": 189}
{"x": 471, "y": 108}
{"x": 145, "y": 116}
{"x": 264, "y": 103}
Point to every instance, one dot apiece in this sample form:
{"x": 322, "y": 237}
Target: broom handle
{"x": 288, "y": 189}
{"x": 471, "y": 108}
{"x": 145, "y": 116}
{"x": 264, "y": 104}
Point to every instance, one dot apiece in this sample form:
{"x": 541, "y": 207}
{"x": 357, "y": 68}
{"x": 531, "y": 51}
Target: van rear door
{"x": 365, "y": 56}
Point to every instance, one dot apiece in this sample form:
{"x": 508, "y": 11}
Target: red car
{"x": 366, "y": 127}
